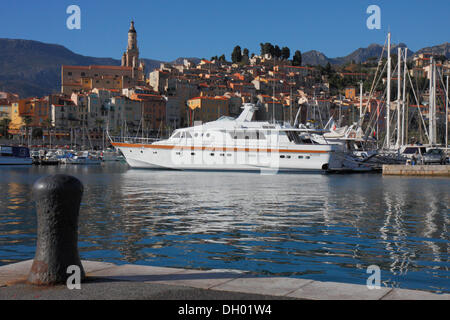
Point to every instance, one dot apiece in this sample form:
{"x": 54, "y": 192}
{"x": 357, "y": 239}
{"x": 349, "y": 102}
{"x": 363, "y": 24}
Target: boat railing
{"x": 134, "y": 140}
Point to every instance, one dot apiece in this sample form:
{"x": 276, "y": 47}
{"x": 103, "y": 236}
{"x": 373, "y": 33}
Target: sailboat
{"x": 395, "y": 148}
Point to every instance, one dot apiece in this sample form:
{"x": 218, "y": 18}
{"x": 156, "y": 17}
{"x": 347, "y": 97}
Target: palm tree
{"x": 47, "y": 123}
{"x": 27, "y": 120}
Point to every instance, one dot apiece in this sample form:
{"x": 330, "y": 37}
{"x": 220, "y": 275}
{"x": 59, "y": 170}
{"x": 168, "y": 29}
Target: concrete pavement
{"x": 108, "y": 281}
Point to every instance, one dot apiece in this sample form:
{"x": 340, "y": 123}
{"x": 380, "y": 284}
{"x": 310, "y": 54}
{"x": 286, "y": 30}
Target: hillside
{"x": 442, "y": 49}
{"x": 359, "y": 55}
{"x": 314, "y": 58}
{"x": 33, "y": 68}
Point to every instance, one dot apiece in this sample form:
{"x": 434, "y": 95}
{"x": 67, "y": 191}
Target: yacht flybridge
{"x": 235, "y": 144}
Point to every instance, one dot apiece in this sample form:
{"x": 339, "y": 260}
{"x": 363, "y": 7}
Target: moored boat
{"x": 83, "y": 158}
{"x": 229, "y": 144}
{"x": 12, "y": 155}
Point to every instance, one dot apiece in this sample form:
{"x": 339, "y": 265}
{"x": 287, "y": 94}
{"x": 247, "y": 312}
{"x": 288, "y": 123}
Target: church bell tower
{"x": 132, "y": 53}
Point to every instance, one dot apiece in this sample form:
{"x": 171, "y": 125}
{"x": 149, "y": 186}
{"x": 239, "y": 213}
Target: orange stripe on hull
{"x": 153, "y": 146}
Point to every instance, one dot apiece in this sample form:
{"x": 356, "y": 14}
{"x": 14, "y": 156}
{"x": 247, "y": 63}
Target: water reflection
{"x": 325, "y": 227}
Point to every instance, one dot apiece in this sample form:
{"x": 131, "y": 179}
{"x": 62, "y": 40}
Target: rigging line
{"x": 418, "y": 105}
{"x": 373, "y": 87}
{"x": 386, "y": 138}
{"x": 370, "y": 126}
{"x": 371, "y": 96}
{"x": 443, "y": 85}
{"x": 388, "y": 121}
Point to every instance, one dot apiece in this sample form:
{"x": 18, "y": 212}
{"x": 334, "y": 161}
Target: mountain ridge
{"x": 33, "y": 68}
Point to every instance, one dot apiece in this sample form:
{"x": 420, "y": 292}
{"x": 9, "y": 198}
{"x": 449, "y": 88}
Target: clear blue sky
{"x": 196, "y": 28}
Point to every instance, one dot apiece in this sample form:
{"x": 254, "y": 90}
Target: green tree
{"x": 245, "y": 56}
{"x": 277, "y": 52}
{"x": 27, "y": 120}
{"x": 285, "y": 53}
{"x": 328, "y": 70}
{"x": 47, "y": 124}
{"x": 441, "y": 58}
{"x": 297, "y": 59}
{"x": 236, "y": 55}
{"x": 37, "y": 133}
{"x": 4, "y": 124}
{"x": 267, "y": 48}
{"x": 222, "y": 58}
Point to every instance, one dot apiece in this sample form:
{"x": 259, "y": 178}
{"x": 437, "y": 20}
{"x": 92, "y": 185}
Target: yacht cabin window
{"x": 247, "y": 135}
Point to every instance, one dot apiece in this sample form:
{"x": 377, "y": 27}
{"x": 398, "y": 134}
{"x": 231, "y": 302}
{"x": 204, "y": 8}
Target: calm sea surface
{"x": 322, "y": 227}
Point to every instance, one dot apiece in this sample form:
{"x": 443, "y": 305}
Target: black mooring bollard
{"x": 58, "y": 199}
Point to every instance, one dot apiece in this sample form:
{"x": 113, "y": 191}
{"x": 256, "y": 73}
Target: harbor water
{"x": 326, "y": 227}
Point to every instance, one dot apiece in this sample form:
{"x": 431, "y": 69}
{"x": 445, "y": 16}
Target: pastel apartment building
{"x": 31, "y": 112}
{"x": 205, "y": 108}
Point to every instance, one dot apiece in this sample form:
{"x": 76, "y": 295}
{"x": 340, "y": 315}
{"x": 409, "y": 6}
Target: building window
{"x": 69, "y": 73}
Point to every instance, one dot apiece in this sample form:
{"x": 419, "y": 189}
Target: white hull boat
{"x": 229, "y": 144}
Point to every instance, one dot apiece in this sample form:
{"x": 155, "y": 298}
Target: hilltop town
{"x": 124, "y": 100}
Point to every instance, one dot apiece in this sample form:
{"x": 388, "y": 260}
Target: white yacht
{"x": 234, "y": 144}
{"x": 11, "y": 155}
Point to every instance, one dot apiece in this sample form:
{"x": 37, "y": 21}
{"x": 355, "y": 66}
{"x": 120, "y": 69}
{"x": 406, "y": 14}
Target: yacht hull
{"x": 201, "y": 158}
{"x": 15, "y": 161}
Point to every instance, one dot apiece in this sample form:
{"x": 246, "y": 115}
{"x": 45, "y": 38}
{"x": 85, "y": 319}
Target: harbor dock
{"x": 107, "y": 281}
{"x": 416, "y": 170}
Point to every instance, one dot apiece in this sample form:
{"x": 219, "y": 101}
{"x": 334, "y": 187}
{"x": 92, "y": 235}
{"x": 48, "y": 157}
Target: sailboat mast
{"x": 290, "y": 111}
{"x": 399, "y": 85}
{"x": 434, "y": 103}
{"x": 360, "y": 101}
{"x": 404, "y": 96}
{"x": 388, "y": 94}
{"x": 273, "y": 103}
{"x": 431, "y": 110}
{"x": 446, "y": 114}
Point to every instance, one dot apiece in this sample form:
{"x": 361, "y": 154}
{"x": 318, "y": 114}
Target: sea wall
{"x": 417, "y": 170}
